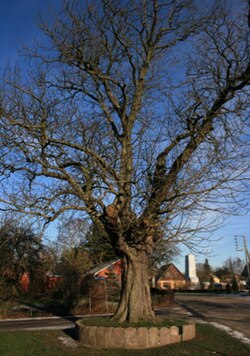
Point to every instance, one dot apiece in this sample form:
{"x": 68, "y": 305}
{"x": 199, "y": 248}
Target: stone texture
{"x": 110, "y": 340}
{"x": 100, "y": 336}
{"x": 188, "y": 332}
{"x": 142, "y": 337}
{"x": 164, "y": 336}
{"x": 133, "y": 338}
{"x": 153, "y": 337}
{"x": 92, "y": 335}
{"x": 174, "y": 334}
{"x": 130, "y": 338}
{"x": 85, "y": 334}
{"x": 119, "y": 337}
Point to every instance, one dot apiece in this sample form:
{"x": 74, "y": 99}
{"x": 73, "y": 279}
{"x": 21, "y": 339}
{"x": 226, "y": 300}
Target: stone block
{"x": 164, "y": 336}
{"x": 142, "y": 337}
{"x": 188, "y": 332}
{"x": 130, "y": 338}
{"x": 118, "y": 337}
{"x": 100, "y": 336}
{"x": 108, "y": 337}
{"x": 174, "y": 334}
{"x": 92, "y": 335}
{"x": 85, "y": 334}
{"x": 133, "y": 338}
{"x": 153, "y": 337}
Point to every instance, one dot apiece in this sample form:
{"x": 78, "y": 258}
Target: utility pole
{"x": 247, "y": 260}
{"x": 247, "y": 255}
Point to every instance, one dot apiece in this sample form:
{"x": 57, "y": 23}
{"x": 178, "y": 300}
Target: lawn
{"x": 209, "y": 341}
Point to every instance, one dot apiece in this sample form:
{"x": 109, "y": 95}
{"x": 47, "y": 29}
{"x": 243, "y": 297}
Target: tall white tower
{"x": 190, "y": 269}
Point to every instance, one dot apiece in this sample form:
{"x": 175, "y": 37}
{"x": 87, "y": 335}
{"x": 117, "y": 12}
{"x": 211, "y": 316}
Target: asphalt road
{"x": 229, "y": 310}
{"x": 233, "y": 311}
{"x": 38, "y": 323}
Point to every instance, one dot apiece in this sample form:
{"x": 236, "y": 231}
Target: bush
{"x": 67, "y": 291}
{"x": 228, "y": 288}
{"x": 235, "y": 286}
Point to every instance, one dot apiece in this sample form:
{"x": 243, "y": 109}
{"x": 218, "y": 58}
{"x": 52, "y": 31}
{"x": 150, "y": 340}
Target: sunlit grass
{"x": 209, "y": 341}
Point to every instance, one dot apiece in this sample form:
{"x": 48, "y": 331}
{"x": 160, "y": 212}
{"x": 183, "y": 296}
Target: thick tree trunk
{"x": 135, "y": 303}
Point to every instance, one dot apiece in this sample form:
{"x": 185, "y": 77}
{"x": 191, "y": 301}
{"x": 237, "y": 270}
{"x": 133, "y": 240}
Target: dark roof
{"x": 164, "y": 268}
{"x": 244, "y": 273}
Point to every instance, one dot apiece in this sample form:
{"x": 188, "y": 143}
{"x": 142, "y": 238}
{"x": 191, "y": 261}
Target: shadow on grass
{"x": 72, "y": 333}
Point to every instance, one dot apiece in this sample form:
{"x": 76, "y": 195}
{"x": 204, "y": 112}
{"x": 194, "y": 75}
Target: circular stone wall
{"x": 133, "y": 337}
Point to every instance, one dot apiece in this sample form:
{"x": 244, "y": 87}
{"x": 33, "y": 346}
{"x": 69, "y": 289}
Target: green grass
{"x": 209, "y": 341}
{"x": 6, "y": 307}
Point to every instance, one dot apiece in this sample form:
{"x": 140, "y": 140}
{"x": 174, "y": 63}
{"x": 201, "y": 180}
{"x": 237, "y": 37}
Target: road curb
{"x": 54, "y": 317}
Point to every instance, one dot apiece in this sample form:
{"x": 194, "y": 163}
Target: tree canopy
{"x": 134, "y": 113}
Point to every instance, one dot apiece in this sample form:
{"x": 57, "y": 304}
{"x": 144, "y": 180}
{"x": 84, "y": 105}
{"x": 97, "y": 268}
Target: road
{"x": 56, "y": 322}
{"x": 233, "y": 311}
{"x": 230, "y": 310}
{"x": 38, "y": 323}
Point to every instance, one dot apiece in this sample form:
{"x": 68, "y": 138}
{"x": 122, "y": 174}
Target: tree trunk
{"x": 135, "y": 303}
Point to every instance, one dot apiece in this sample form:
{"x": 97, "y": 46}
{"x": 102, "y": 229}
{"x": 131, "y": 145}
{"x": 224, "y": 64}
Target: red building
{"x": 104, "y": 270}
{"x": 25, "y": 282}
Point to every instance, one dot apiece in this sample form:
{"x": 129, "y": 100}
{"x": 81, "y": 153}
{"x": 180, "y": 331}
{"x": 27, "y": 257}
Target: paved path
{"x": 56, "y": 322}
{"x": 38, "y": 323}
{"x": 231, "y": 310}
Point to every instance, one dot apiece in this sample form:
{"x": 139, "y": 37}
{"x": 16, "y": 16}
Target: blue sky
{"x": 18, "y": 25}
{"x": 225, "y": 246}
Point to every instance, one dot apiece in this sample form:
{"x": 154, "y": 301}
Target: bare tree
{"x": 234, "y": 265}
{"x": 134, "y": 114}
{"x": 21, "y": 251}
{"x": 72, "y": 232}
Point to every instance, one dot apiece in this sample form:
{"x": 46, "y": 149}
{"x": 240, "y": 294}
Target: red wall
{"x": 25, "y": 282}
{"x": 116, "y": 268}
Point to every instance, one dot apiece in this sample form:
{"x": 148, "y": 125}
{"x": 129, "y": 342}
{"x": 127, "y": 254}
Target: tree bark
{"x": 135, "y": 303}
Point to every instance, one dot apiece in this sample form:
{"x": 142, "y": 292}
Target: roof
{"x": 102, "y": 266}
{"x": 164, "y": 268}
{"x": 244, "y": 273}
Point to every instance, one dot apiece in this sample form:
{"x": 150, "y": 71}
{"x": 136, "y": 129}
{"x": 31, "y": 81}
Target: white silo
{"x": 190, "y": 270}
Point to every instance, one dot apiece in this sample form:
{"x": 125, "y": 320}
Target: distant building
{"x": 245, "y": 275}
{"x": 246, "y": 271}
{"x": 169, "y": 277}
{"x": 52, "y": 281}
{"x": 102, "y": 284}
{"x": 105, "y": 269}
{"x": 190, "y": 271}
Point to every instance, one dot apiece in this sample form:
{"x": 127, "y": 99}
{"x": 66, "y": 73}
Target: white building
{"x": 190, "y": 270}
